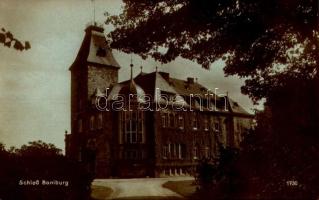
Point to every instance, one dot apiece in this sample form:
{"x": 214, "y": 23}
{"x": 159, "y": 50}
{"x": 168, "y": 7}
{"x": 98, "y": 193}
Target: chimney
{"x": 190, "y": 80}
{"x": 165, "y": 75}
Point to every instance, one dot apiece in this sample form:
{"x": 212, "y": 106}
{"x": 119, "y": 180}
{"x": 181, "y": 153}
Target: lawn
{"x": 100, "y": 192}
{"x": 184, "y": 188}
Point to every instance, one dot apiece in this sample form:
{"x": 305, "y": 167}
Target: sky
{"x": 35, "y": 84}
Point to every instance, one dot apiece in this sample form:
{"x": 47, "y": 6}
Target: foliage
{"x": 261, "y": 40}
{"x": 41, "y": 161}
{"x": 279, "y": 160}
{"x": 7, "y": 38}
{"x": 211, "y": 176}
{"x": 38, "y": 149}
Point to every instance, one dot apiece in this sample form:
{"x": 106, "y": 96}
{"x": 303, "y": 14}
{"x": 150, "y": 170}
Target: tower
{"x": 93, "y": 70}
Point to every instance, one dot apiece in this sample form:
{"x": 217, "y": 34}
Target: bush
{"x": 39, "y": 161}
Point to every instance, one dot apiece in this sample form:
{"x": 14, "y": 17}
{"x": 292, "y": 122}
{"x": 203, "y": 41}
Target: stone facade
{"x": 141, "y": 143}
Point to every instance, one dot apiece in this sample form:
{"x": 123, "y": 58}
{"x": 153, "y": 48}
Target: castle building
{"x": 150, "y": 125}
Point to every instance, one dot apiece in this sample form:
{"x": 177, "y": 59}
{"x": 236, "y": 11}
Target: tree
{"x": 261, "y": 40}
{"x": 210, "y": 175}
{"x": 274, "y": 45}
{"x": 41, "y": 161}
{"x": 39, "y": 149}
{"x": 7, "y": 38}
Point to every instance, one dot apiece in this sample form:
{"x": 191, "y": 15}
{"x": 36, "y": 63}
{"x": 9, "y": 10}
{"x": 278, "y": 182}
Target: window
{"x": 206, "y": 125}
{"x": 164, "y": 121}
{"x": 100, "y": 121}
{"x": 174, "y": 148}
{"x": 195, "y": 152}
{"x": 216, "y": 126}
{"x": 206, "y": 152}
{"x": 133, "y": 126}
{"x": 80, "y": 126}
{"x": 92, "y": 121}
{"x": 169, "y": 150}
{"x": 238, "y": 126}
{"x": 180, "y": 151}
{"x": 165, "y": 152}
{"x": 140, "y": 131}
{"x": 194, "y": 122}
{"x": 171, "y": 120}
{"x": 80, "y": 104}
{"x": 101, "y": 52}
{"x": 180, "y": 122}
{"x": 130, "y": 132}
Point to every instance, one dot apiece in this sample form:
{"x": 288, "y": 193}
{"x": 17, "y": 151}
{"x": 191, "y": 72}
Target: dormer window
{"x": 101, "y": 52}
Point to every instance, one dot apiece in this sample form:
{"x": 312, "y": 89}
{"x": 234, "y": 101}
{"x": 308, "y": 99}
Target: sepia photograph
{"x": 159, "y": 99}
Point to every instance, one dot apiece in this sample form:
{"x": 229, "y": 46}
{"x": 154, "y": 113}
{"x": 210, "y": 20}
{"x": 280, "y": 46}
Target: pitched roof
{"x": 149, "y": 82}
{"x": 95, "y": 50}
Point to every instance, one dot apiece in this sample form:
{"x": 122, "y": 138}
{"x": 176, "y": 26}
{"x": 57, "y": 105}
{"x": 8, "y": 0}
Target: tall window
{"x": 171, "y": 120}
{"x": 180, "y": 151}
{"x": 206, "y": 125}
{"x": 195, "y": 152}
{"x": 133, "y": 126}
{"x": 100, "y": 121}
{"x": 238, "y": 126}
{"x": 92, "y": 121}
{"x": 169, "y": 149}
{"x": 206, "y": 152}
{"x": 194, "y": 122}
{"x": 180, "y": 122}
{"x": 165, "y": 151}
{"x": 174, "y": 148}
{"x": 164, "y": 122}
{"x": 80, "y": 126}
{"x": 216, "y": 126}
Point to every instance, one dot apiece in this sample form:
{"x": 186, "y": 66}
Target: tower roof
{"x": 95, "y": 50}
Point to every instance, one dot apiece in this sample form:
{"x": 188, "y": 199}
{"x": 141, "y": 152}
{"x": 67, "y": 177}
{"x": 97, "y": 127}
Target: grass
{"x": 100, "y": 192}
{"x": 184, "y": 188}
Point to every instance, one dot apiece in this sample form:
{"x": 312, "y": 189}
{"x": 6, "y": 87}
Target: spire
{"x": 156, "y": 69}
{"x": 131, "y": 65}
{"x": 93, "y": 3}
{"x": 141, "y": 67}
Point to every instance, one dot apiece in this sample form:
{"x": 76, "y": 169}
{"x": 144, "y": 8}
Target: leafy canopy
{"x": 260, "y": 40}
{"x": 7, "y": 38}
